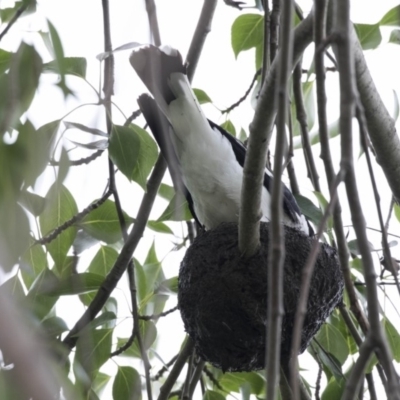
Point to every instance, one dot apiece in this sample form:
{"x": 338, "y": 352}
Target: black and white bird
{"x": 206, "y": 159}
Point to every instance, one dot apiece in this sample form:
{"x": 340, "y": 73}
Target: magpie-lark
{"x": 205, "y": 160}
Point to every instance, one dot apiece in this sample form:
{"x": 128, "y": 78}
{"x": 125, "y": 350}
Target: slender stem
{"x": 306, "y": 275}
{"x": 13, "y": 20}
{"x": 375, "y": 336}
{"x": 302, "y": 119}
{"x": 276, "y": 244}
{"x": 153, "y": 21}
{"x": 125, "y": 255}
{"x": 260, "y": 134}
{"x": 196, "y": 377}
{"x": 173, "y": 376}
{"x": 203, "y": 28}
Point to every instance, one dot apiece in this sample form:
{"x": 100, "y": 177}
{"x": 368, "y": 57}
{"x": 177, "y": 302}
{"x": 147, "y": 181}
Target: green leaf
{"x": 124, "y": 149}
{"x": 127, "y": 384}
{"x": 54, "y": 326}
{"x": 59, "y": 61}
{"x": 168, "y": 286}
{"x": 75, "y": 284}
{"x": 396, "y": 108}
{"x": 233, "y": 381}
{"x": 38, "y": 144}
{"x": 100, "y": 383}
{"x": 166, "y": 192}
{"x": 393, "y": 338}
{"x": 5, "y": 58}
{"x": 177, "y": 210}
{"x": 18, "y": 87}
{"x": 353, "y": 247}
{"x": 40, "y": 304}
{"x": 148, "y": 333}
{"x": 147, "y": 157}
{"x": 229, "y": 127}
{"x": 71, "y": 66}
{"x": 333, "y": 130}
{"x": 32, "y": 202}
{"x": 202, "y": 96}
{"x": 331, "y": 365}
{"x": 259, "y": 56}
{"x": 338, "y": 322}
{"x": 14, "y": 232}
{"x": 309, "y": 209}
{"x": 242, "y": 135}
{"x": 396, "y": 210}
{"x": 103, "y": 223}
{"x": 247, "y": 32}
{"x": 60, "y": 207}
{"x": 103, "y": 261}
{"x": 102, "y": 320}
{"x": 334, "y": 389}
{"x": 84, "y": 128}
{"x": 32, "y": 263}
{"x": 93, "y": 350}
{"x": 160, "y": 227}
{"x": 395, "y": 37}
{"x": 213, "y": 395}
{"x": 333, "y": 342}
{"x": 309, "y": 103}
{"x": 369, "y": 35}
{"x": 391, "y": 18}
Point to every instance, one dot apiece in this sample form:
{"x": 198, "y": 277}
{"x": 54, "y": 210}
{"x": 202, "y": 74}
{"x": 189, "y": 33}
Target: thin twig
{"x": 76, "y": 218}
{"x": 124, "y": 256}
{"x": 189, "y": 372}
{"x": 153, "y": 21}
{"x": 385, "y": 245}
{"x": 196, "y": 377}
{"x": 274, "y": 28}
{"x": 184, "y": 354}
{"x": 375, "y": 337}
{"x": 276, "y": 243}
{"x": 157, "y": 316}
{"x": 301, "y": 115}
{"x": 164, "y": 369}
{"x": 13, "y": 20}
{"x": 132, "y": 117}
{"x": 244, "y": 97}
{"x": 306, "y": 275}
{"x": 203, "y": 28}
{"x": 81, "y": 161}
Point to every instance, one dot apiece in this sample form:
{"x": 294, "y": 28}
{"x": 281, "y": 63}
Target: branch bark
{"x": 260, "y": 136}
{"x": 381, "y": 126}
{"x": 276, "y": 243}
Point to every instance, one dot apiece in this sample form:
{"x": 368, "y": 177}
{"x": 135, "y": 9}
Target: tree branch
{"x": 375, "y": 335}
{"x": 203, "y": 28}
{"x": 276, "y": 241}
{"x": 13, "y": 20}
{"x": 381, "y": 127}
{"x": 306, "y": 275}
{"x": 184, "y": 354}
{"x": 125, "y": 255}
{"x": 260, "y": 134}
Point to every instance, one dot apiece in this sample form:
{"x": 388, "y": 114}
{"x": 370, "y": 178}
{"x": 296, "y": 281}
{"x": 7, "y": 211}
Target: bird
{"x": 206, "y": 162}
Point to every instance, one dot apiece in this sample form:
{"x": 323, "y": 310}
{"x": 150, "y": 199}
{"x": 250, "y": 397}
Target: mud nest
{"x": 223, "y": 298}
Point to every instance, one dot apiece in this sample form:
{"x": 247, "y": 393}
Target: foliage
{"x": 58, "y": 247}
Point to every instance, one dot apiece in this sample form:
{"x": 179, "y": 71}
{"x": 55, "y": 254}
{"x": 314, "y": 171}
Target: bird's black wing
{"x": 159, "y": 126}
{"x": 290, "y": 205}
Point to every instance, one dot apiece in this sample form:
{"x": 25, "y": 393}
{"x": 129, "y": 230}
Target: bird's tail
{"x": 154, "y": 67}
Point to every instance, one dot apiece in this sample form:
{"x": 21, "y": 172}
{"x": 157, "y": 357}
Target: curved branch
{"x": 381, "y": 126}
{"x": 202, "y": 30}
{"x": 260, "y": 136}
